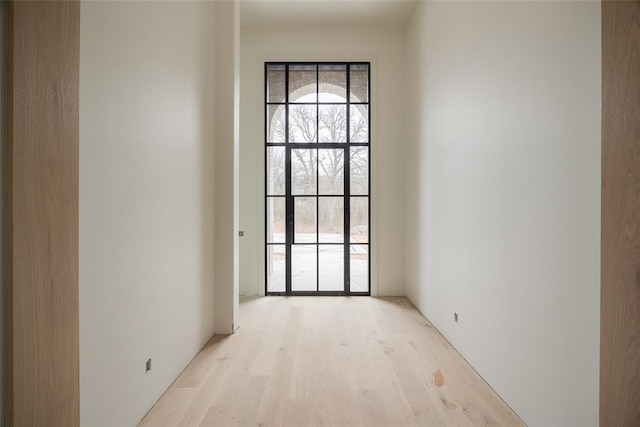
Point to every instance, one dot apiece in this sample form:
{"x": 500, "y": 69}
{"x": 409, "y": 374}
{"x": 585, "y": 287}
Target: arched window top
{"x": 317, "y": 102}
{"x": 321, "y": 83}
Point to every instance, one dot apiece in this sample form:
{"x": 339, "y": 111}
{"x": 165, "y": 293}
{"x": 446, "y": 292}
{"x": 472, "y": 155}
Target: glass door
{"x": 317, "y": 178}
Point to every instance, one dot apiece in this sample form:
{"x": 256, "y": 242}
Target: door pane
{"x": 333, "y": 123}
{"x": 276, "y": 268}
{"x": 359, "y": 268}
{"x": 331, "y": 171}
{"x": 276, "y": 219}
{"x": 303, "y": 172}
{"x": 359, "y": 83}
{"x": 331, "y": 219}
{"x": 331, "y": 267}
{"x": 303, "y": 123}
{"x": 302, "y": 83}
{"x": 305, "y": 220}
{"x": 275, "y": 83}
{"x": 332, "y": 83}
{"x": 359, "y": 123}
{"x": 359, "y": 170}
{"x": 275, "y": 123}
{"x": 275, "y": 171}
{"x": 304, "y": 265}
{"x": 359, "y": 219}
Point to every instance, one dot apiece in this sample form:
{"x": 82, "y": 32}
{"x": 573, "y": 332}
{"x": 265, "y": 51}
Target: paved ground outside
{"x": 304, "y": 263}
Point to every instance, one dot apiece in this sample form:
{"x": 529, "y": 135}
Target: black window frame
{"x": 289, "y": 197}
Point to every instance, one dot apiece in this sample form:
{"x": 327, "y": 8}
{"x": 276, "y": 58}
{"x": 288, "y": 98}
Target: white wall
{"x": 503, "y": 195}
{"x": 226, "y": 78}
{"x": 385, "y": 49}
{"x": 146, "y": 201}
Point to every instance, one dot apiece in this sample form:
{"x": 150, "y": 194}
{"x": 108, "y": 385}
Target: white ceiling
{"x": 325, "y": 13}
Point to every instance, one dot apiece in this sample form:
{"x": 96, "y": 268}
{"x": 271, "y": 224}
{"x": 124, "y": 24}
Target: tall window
{"x": 317, "y": 137}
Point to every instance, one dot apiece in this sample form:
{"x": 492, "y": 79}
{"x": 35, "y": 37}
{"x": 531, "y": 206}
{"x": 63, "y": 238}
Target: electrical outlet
{"x": 241, "y": 233}
{"x": 455, "y": 317}
{"x": 148, "y": 366}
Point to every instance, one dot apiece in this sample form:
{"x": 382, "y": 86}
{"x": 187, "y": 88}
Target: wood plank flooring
{"x": 330, "y": 361}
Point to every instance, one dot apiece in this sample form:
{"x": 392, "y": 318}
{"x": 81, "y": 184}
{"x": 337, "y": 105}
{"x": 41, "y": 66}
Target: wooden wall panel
{"x": 42, "y": 213}
{"x": 620, "y": 298}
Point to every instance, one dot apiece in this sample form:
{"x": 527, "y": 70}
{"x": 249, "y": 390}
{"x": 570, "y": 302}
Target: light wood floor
{"x": 330, "y": 361}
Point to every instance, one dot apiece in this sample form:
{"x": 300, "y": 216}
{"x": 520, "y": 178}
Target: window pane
{"x": 276, "y": 213}
{"x": 332, "y": 83}
{"x": 303, "y": 123}
{"x": 275, "y": 170}
{"x": 304, "y": 264}
{"x": 275, "y": 123}
{"x": 331, "y": 219}
{"x": 359, "y": 81}
{"x": 331, "y": 171}
{"x": 275, "y": 83}
{"x": 333, "y": 123}
{"x": 331, "y": 267}
{"x": 359, "y": 123}
{"x": 305, "y": 220}
{"x": 359, "y": 170}
{"x": 359, "y": 268}
{"x": 303, "y": 172}
{"x": 359, "y": 220}
{"x": 276, "y": 268}
{"x": 302, "y": 83}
